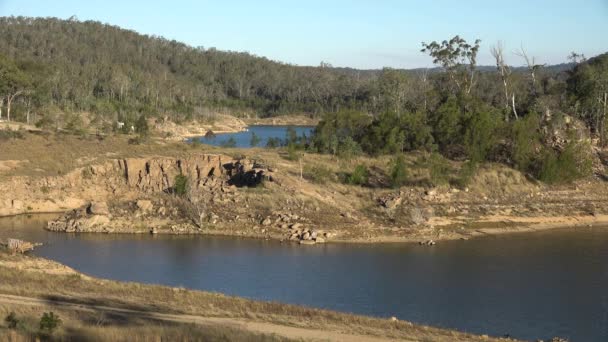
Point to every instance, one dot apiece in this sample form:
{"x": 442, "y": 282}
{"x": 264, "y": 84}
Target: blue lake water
{"x": 264, "y": 133}
{"x": 530, "y": 286}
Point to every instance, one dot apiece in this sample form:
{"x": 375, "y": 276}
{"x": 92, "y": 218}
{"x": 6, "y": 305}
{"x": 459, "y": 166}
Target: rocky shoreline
{"x": 266, "y": 198}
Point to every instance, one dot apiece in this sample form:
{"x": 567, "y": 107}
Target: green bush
{"x": 573, "y": 163}
{"x": 318, "y": 174}
{"x": 359, "y": 176}
{"x": 398, "y": 171}
{"x": 439, "y": 169}
{"x": 180, "y": 185}
{"x": 466, "y": 173}
{"x": 292, "y": 152}
{"x": 255, "y": 140}
{"x": 230, "y": 143}
{"x": 348, "y": 148}
{"x": 525, "y": 135}
{"x": 11, "y": 321}
{"x": 49, "y": 322}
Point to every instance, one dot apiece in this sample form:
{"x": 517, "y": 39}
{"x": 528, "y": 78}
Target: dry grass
{"x": 49, "y": 154}
{"x": 103, "y": 326}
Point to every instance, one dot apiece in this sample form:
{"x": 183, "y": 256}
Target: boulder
{"x": 98, "y": 208}
{"x": 267, "y": 221}
{"x": 307, "y": 242}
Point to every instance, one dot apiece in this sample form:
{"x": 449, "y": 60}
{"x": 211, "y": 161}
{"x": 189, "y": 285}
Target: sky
{"x": 364, "y": 34}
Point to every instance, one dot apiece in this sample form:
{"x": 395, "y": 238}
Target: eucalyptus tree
{"x": 458, "y": 58}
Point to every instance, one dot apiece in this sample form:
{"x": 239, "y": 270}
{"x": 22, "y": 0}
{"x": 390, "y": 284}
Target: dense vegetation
{"x": 535, "y": 118}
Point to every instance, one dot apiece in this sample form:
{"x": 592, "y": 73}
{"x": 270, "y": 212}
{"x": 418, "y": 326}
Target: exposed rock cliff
{"x": 123, "y": 178}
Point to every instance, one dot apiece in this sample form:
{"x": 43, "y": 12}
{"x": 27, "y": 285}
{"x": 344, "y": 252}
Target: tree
{"x": 458, "y": 58}
{"x": 588, "y": 88}
{"x": 533, "y": 69}
{"x": 13, "y": 83}
{"x": 398, "y": 171}
{"x": 255, "y": 140}
{"x": 504, "y": 71}
{"x": 141, "y": 126}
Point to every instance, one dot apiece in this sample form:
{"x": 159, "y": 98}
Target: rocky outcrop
{"x": 158, "y": 174}
{"x": 123, "y": 178}
{"x": 88, "y": 218}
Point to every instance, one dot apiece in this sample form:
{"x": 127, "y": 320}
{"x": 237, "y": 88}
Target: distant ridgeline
{"x": 113, "y": 73}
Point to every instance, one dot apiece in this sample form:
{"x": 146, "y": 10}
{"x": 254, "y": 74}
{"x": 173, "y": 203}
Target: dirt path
{"x": 257, "y": 327}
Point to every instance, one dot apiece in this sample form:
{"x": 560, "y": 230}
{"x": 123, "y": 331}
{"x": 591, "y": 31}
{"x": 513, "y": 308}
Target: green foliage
{"x": 180, "y": 185}
{"x": 526, "y": 139}
{"x": 230, "y": 143}
{"x": 49, "y": 322}
{"x": 481, "y": 134}
{"x": 293, "y": 153}
{"x": 11, "y": 320}
{"x": 359, "y": 176}
{"x": 398, "y": 171}
{"x": 273, "y": 143}
{"x": 573, "y": 163}
{"x": 318, "y": 174}
{"x": 466, "y": 173}
{"x": 348, "y": 149}
{"x": 255, "y": 140}
{"x": 8, "y": 134}
{"x": 447, "y": 124}
{"x": 336, "y": 128}
{"x": 439, "y": 169}
{"x": 141, "y": 126}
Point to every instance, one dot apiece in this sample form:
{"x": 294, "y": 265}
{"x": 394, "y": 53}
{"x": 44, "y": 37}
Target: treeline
{"x": 88, "y": 66}
{"x": 540, "y": 123}
{"x": 68, "y": 66}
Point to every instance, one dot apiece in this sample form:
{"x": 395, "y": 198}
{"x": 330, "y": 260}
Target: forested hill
{"x": 102, "y": 68}
{"x": 108, "y": 71}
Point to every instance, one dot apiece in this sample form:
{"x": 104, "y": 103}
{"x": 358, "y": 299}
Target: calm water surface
{"x": 529, "y": 286}
{"x": 243, "y": 139}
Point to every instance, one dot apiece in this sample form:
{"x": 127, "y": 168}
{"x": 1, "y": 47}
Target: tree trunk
{"x": 513, "y": 106}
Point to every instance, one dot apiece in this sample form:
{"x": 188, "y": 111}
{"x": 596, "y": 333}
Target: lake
{"x": 264, "y": 133}
{"x": 530, "y": 286}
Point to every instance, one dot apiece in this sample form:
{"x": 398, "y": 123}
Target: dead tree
{"x": 532, "y": 68}
{"x": 505, "y": 75}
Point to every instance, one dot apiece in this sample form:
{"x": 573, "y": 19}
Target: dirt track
{"x": 257, "y": 327}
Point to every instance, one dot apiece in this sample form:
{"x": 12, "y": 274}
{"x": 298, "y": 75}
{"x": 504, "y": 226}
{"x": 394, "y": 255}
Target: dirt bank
{"x": 261, "y": 193}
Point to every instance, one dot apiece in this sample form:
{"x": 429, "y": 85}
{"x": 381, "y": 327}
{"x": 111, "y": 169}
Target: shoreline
{"x": 542, "y": 224}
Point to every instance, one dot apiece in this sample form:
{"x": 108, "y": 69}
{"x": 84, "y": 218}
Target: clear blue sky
{"x": 354, "y": 33}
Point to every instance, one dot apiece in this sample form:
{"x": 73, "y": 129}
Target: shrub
{"x": 398, "y": 171}
{"x": 141, "y": 126}
{"x": 466, "y": 173}
{"x": 318, "y": 174}
{"x": 293, "y": 153}
{"x": 348, "y": 148}
{"x": 439, "y": 169}
{"x": 230, "y": 143}
{"x": 273, "y": 142}
{"x": 180, "y": 185}
{"x": 7, "y": 134}
{"x": 573, "y": 163}
{"x": 11, "y": 321}
{"x": 49, "y": 322}
{"x": 525, "y": 135}
{"x": 359, "y": 176}
{"x": 255, "y": 140}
